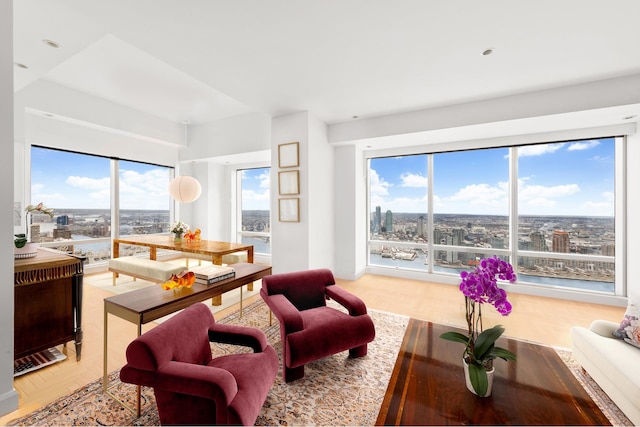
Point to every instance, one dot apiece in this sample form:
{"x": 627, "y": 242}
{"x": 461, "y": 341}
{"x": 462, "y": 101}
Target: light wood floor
{"x": 542, "y": 320}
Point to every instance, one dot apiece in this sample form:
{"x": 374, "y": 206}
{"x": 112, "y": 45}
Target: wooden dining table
{"x": 211, "y": 248}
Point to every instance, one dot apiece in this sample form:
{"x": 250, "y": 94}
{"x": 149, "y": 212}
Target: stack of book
{"x": 209, "y": 274}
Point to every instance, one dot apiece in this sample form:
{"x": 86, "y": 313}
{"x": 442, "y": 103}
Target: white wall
{"x": 239, "y": 134}
{"x": 290, "y": 240}
{"x": 8, "y": 396}
{"x": 351, "y": 220}
{"x": 318, "y": 185}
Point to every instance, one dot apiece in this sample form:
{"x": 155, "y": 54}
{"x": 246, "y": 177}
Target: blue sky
{"x": 572, "y": 178}
{"x": 256, "y": 185}
{"x": 61, "y": 179}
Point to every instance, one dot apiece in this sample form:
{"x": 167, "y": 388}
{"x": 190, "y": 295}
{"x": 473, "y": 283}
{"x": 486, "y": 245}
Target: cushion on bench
{"x": 144, "y": 268}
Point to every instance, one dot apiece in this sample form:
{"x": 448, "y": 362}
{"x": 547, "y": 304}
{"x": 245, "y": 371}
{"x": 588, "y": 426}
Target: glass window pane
{"x": 471, "y": 198}
{"x": 398, "y": 211}
{"x": 77, "y": 187}
{"x": 255, "y": 211}
{"x": 566, "y": 205}
{"x": 144, "y": 198}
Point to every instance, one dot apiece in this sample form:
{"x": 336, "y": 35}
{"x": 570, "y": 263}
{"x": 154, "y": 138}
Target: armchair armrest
{"x": 203, "y": 381}
{"x": 285, "y": 311}
{"x": 352, "y": 303}
{"x": 239, "y": 335}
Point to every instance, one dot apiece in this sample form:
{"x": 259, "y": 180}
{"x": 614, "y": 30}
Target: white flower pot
{"x": 468, "y": 380}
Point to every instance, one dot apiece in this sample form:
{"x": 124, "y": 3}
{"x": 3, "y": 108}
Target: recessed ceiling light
{"x": 487, "y": 51}
{"x": 21, "y": 65}
{"x": 51, "y": 43}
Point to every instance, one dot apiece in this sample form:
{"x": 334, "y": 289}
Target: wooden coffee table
{"x": 427, "y": 386}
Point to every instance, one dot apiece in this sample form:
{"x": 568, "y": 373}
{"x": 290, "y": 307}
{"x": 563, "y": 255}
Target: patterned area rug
{"x": 335, "y": 391}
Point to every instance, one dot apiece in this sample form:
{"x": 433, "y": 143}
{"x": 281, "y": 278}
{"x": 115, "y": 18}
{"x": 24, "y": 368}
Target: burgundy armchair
{"x": 190, "y": 386}
{"x": 309, "y": 329}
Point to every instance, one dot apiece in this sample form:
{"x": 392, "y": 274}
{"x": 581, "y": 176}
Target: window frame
{"x": 513, "y": 252}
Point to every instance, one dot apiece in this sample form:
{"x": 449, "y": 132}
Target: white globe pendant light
{"x": 185, "y": 189}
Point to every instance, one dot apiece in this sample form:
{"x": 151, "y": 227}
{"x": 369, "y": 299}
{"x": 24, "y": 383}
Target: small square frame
{"x": 289, "y": 182}
{"x": 289, "y": 210}
{"x": 288, "y": 155}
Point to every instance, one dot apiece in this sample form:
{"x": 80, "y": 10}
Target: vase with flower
{"x": 481, "y": 287}
{"x": 24, "y": 247}
{"x": 178, "y": 229}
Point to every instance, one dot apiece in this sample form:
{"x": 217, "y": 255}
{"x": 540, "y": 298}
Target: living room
{"x": 40, "y": 110}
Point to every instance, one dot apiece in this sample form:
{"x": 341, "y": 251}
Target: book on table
{"x": 208, "y": 274}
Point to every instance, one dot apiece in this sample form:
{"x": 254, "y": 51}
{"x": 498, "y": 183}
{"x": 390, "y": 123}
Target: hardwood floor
{"x": 537, "y": 319}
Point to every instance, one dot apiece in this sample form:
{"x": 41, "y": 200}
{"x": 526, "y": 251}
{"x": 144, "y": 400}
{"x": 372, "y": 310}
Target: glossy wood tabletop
{"x": 427, "y": 386}
{"x": 212, "y": 248}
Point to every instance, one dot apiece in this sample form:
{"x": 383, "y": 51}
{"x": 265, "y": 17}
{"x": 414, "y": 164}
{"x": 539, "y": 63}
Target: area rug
{"x": 37, "y": 361}
{"x": 334, "y": 391}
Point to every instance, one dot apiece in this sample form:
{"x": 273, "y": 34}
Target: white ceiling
{"x": 200, "y": 60}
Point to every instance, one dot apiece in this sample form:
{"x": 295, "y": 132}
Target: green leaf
{"x": 479, "y": 380}
{"x": 502, "y": 353}
{"x": 485, "y": 341}
{"x": 456, "y": 337}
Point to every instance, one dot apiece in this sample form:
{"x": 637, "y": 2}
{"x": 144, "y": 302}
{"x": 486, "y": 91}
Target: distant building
{"x": 388, "y": 222}
{"x": 538, "y": 241}
{"x": 422, "y": 226}
{"x": 377, "y": 220}
{"x": 609, "y": 249}
{"x": 560, "y": 242}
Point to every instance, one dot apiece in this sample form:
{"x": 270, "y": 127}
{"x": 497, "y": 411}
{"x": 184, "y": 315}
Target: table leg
{"x": 104, "y": 349}
{"x": 250, "y": 260}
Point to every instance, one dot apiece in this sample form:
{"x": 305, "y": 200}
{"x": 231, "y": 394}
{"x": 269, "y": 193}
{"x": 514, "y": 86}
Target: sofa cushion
{"x": 629, "y": 328}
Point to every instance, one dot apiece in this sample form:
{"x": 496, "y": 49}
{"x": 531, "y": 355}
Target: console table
{"x": 151, "y": 303}
{"x": 48, "y": 302}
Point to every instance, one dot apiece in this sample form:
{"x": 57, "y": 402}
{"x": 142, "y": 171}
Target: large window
{"x": 548, "y": 208}
{"x": 254, "y": 219}
{"x": 78, "y": 188}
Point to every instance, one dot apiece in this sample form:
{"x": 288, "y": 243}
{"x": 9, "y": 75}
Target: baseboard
{"x": 8, "y": 402}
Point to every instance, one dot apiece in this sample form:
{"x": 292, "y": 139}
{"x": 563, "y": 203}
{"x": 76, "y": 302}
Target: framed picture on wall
{"x": 289, "y": 182}
{"x": 288, "y": 156}
{"x": 289, "y": 210}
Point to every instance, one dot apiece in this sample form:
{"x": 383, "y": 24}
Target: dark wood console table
{"x": 48, "y": 302}
{"x": 427, "y": 386}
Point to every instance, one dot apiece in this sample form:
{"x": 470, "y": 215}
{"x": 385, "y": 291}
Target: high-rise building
{"x": 538, "y": 241}
{"x": 422, "y": 226}
{"x": 458, "y": 236}
{"x": 560, "y": 241}
{"x": 388, "y": 222}
{"x": 377, "y": 220}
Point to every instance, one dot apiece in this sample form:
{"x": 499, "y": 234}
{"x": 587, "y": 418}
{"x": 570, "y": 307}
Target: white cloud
{"x": 539, "y": 150}
{"x": 379, "y": 187}
{"x": 414, "y": 180}
{"x": 88, "y": 183}
{"x": 583, "y": 145}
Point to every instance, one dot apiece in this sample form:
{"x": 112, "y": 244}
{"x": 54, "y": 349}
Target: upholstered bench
{"x": 233, "y": 258}
{"x": 146, "y": 269}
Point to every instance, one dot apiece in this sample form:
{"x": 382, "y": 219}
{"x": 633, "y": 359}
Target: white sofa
{"x": 612, "y": 363}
